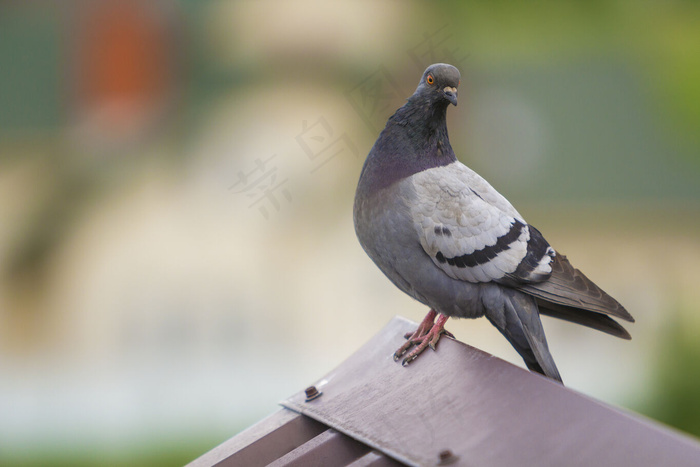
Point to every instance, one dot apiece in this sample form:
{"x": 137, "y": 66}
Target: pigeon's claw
{"x": 402, "y": 350}
{"x": 414, "y": 337}
{"x": 429, "y": 340}
{"x": 413, "y": 356}
{"x": 415, "y": 352}
{"x": 427, "y": 335}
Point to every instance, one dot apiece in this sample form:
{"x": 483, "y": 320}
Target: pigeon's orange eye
{"x": 430, "y": 79}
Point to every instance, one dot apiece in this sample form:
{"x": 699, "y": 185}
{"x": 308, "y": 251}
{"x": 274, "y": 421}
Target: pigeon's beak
{"x": 450, "y": 94}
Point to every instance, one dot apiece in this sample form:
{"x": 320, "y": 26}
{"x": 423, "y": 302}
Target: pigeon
{"x": 444, "y": 236}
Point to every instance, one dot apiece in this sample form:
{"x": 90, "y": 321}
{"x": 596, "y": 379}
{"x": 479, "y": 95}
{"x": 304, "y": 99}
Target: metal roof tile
{"x": 456, "y": 406}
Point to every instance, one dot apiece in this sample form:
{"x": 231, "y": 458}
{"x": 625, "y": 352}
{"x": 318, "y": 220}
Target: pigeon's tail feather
{"x": 519, "y": 321}
{"x": 569, "y": 287}
{"x": 585, "y": 318}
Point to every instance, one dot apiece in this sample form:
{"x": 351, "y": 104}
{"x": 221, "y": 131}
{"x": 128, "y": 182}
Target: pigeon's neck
{"x": 423, "y": 116}
{"x": 414, "y": 139}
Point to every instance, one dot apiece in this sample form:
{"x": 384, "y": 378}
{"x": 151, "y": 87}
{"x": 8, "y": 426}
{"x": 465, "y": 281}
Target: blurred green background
{"x": 176, "y": 182}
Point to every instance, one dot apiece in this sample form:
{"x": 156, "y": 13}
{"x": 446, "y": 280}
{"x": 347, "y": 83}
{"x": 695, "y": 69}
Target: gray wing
{"x": 568, "y": 294}
{"x": 472, "y": 232}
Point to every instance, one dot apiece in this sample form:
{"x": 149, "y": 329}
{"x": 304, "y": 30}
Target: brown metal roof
{"x": 456, "y": 406}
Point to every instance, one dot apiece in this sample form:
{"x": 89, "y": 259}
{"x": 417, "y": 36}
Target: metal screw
{"x": 447, "y": 457}
{"x": 312, "y": 393}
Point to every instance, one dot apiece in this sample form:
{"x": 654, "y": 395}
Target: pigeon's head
{"x": 439, "y": 84}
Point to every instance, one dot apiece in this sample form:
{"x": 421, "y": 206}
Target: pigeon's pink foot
{"x": 428, "y": 334}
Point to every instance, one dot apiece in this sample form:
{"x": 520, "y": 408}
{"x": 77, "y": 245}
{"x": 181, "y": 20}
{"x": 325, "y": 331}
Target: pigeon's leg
{"x": 427, "y": 334}
{"x": 423, "y": 327}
